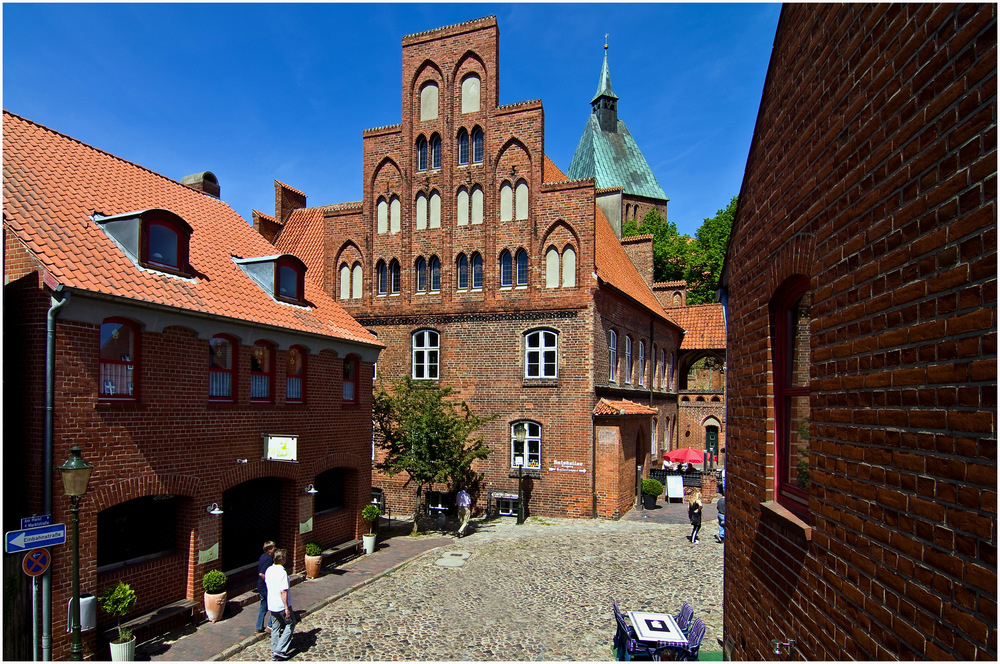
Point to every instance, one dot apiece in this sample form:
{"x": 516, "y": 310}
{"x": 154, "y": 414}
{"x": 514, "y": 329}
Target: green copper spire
{"x": 604, "y": 84}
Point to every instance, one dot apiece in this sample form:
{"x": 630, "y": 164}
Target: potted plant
{"x": 214, "y": 583}
{"x": 650, "y": 490}
{"x": 314, "y": 559}
{"x": 117, "y": 601}
{"x": 370, "y": 513}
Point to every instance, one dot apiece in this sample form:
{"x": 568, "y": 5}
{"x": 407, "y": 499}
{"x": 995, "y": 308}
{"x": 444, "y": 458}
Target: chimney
{"x": 205, "y": 182}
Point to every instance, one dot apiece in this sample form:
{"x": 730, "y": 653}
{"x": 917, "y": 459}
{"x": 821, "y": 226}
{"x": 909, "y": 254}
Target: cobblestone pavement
{"x": 540, "y": 591}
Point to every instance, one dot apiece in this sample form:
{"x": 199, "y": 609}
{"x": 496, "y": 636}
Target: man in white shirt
{"x": 464, "y": 510}
{"x": 280, "y": 605}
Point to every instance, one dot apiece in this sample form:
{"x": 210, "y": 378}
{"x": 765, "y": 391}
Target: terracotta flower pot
{"x": 215, "y": 606}
{"x": 313, "y": 566}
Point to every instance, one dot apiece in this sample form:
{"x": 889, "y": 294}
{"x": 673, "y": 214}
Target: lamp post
{"x": 520, "y": 433}
{"x": 75, "y": 476}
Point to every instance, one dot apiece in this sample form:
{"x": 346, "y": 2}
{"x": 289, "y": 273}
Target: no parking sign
{"x": 35, "y": 562}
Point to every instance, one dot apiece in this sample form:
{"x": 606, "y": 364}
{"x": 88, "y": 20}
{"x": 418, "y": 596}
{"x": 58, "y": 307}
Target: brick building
{"x": 861, "y": 279}
{"x": 479, "y": 264}
{"x": 194, "y": 367}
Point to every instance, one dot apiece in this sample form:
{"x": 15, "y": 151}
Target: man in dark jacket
{"x": 266, "y": 560}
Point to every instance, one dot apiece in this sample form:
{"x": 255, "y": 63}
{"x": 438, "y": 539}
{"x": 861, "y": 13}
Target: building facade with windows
{"x": 480, "y": 265}
{"x": 861, "y": 285}
{"x": 206, "y": 378}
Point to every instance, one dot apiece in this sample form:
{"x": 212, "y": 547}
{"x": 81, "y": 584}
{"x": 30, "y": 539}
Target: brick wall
{"x": 873, "y": 173}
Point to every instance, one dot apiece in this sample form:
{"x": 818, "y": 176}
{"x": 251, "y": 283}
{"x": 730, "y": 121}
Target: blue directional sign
{"x": 36, "y": 521}
{"x": 31, "y": 538}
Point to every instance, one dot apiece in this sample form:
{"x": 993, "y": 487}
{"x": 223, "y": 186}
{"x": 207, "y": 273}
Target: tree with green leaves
{"x": 709, "y": 253}
{"x": 671, "y": 250}
{"x": 426, "y": 434}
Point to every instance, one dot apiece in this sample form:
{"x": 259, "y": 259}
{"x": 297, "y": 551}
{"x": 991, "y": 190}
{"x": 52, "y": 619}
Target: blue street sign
{"x": 30, "y": 538}
{"x": 36, "y": 521}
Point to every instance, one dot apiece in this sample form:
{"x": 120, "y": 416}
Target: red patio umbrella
{"x": 684, "y": 455}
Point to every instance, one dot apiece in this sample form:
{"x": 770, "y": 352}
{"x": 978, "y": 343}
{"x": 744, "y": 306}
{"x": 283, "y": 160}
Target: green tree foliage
{"x": 671, "y": 251}
{"x": 709, "y": 253}
{"x": 426, "y": 434}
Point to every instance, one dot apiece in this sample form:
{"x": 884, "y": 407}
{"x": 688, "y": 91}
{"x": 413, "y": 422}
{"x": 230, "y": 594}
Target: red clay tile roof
{"x": 704, "y": 324}
{"x": 616, "y": 269}
{"x": 53, "y": 184}
{"x": 303, "y": 236}
{"x": 622, "y": 407}
{"x": 551, "y": 172}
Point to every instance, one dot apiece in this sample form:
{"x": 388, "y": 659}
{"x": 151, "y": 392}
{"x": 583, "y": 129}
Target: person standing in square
{"x": 464, "y": 503}
{"x": 266, "y": 560}
{"x": 279, "y": 603}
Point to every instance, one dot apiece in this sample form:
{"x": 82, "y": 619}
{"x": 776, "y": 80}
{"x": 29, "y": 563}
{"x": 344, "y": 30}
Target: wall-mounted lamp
{"x": 213, "y": 509}
{"x": 777, "y": 645}
{"x": 241, "y": 461}
{"x": 311, "y": 489}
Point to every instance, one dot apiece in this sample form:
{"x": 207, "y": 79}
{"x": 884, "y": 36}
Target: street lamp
{"x": 75, "y": 476}
{"x": 520, "y": 433}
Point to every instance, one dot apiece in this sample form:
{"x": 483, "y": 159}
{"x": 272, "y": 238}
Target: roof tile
{"x": 704, "y": 325}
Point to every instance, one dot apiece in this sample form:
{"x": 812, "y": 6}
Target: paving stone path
{"x": 540, "y": 591}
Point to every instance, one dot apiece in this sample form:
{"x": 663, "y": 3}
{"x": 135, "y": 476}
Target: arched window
{"x": 642, "y": 363}
{"x": 435, "y": 274}
{"x": 470, "y": 94}
{"x": 426, "y": 349}
{"x": 462, "y": 207}
{"x": 429, "y": 102}
{"x": 541, "y": 353}
{"x": 628, "y": 360}
{"x": 477, "y": 204}
{"x": 506, "y": 202}
{"x": 435, "y": 211}
{"x": 383, "y": 215}
{"x": 529, "y": 452}
{"x": 506, "y": 270}
{"x": 420, "y": 269}
{"x": 421, "y": 154}
{"x": 421, "y": 211}
{"x": 382, "y": 277}
{"x": 569, "y": 267}
{"x": 261, "y": 371}
{"x": 394, "y": 214}
{"x": 521, "y": 203}
{"x": 477, "y": 146}
{"x": 357, "y": 281}
{"x": 612, "y": 356}
{"x": 295, "y": 375}
{"x": 394, "y": 277}
{"x": 221, "y": 368}
{"x": 345, "y": 282}
{"x": 118, "y": 359}
{"x": 165, "y": 244}
{"x": 462, "y": 270}
{"x": 551, "y": 268}
{"x": 521, "y": 258}
{"x": 477, "y": 271}
{"x": 463, "y": 147}
{"x": 435, "y": 151}
{"x": 351, "y": 379}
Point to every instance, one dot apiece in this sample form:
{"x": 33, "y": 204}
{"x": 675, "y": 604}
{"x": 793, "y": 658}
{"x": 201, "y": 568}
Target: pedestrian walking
{"x": 266, "y": 560}
{"x": 721, "y": 505}
{"x": 279, "y": 603}
{"x": 694, "y": 514}
{"x": 464, "y": 503}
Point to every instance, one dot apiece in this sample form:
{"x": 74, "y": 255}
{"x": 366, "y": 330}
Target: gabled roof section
{"x": 52, "y": 186}
{"x": 615, "y": 268}
{"x": 303, "y": 236}
{"x": 613, "y": 159}
{"x": 551, "y": 172}
{"x": 704, "y": 325}
{"x": 621, "y": 407}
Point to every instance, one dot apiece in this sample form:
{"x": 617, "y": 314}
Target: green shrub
{"x": 313, "y": 549}
{"x": 651, "y": 487}
{"x": 214, "y": 582}
{"x": 117, "y": 601}
{"x": 370, "y": 513}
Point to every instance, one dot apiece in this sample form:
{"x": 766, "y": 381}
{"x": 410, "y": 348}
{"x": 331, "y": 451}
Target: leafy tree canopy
{"x": 671, "y": 251}
{"x": 426, "y": 434}
{"x": 709, "y": 253}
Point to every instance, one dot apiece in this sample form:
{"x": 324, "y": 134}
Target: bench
{"x": 347, "y": 549}
{"x": 158, "y": 621}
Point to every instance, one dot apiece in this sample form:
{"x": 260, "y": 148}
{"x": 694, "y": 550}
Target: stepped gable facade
{"x": 192, "y": 364}
{"x": 481, "y": 266}
{"x": 862, "y": 320}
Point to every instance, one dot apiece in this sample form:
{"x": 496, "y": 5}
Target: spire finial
{"x": 605, "y": 41}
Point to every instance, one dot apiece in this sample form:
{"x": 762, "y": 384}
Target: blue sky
{"x": 258, "y": 92}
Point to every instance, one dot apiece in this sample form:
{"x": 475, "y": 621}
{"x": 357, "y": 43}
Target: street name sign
{"x": 30, "y": 538}
{"x": 36, "y": 521}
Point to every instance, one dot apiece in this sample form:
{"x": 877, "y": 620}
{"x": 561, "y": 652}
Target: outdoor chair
{"x": 689, "y": 653}
{"x": 625, "y": 645}
{"x": 683, "y": 618}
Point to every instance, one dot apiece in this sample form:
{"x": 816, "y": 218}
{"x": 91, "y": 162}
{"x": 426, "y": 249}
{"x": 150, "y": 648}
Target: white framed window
{"x": 429, "y": 102}
{"x": 521, "y": 261}
{"x": 477, "y": 146}
{"x": 462, "y": 272}
{"x": 612, "y": 356}
{"x": 506, "y": 270}
{"x": 463, "y": 147}
{"x": 541, "y": 354}
{"x": 642, "y": 363}
{"x": 420, "y": 270}
{"x": 426, "y": 350}
{"x": 477, "y": 271}
{"x": 435, "y": 274}
{"x": 470, "y": 94}
{"x": 628, "y": 360}
{"x": 530, "y": 451}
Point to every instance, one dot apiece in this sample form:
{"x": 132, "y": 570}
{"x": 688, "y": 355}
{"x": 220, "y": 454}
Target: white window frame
{"x": 533, "y": 437}
{"x": 426, "y": 354}
{"x": 535, "y": 356}
{"x": 642, "y": 363}
{"x": 612, "y": 356}
{"x": 628, "y": 359}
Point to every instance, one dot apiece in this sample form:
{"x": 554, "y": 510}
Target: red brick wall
{"x": 873, "y": 173}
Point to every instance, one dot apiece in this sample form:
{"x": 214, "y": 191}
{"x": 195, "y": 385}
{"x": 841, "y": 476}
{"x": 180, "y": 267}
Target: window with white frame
{"x": 435, "y": 156}
{"x": 530, "y": 450}
{"x": 420, "y": 270}
{"x": 463, "y": 147}
{"x": 541, "y": 353}
{"x": 426, "y": 350}
{"x": 628, "y": 360}
{"x": 506, "y": 270}
{"x": 521, "y": 259}
{"x": 477, "y": 146}
{"x": 612, "y": 356}
{"x": 118, "y": 359}
{"x": 394, "y": 277}
{"x": 435, "y": 274}
{"x": 462, "y": 272}
{"x": 477, "y": 271}
{"x": 642, "y": 363}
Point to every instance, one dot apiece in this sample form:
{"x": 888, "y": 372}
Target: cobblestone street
{"x": 541, "y": 591}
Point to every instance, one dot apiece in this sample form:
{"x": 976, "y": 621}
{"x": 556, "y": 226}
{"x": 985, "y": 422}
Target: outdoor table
{"x": 658, "y": 630}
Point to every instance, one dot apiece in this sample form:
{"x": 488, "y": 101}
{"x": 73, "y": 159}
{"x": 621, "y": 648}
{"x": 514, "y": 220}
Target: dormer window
{"x": 156, "y": 239}
{"x": 291, "y": 278}
{"x": 163, "y": 245}
{"x": 281, "y": 276}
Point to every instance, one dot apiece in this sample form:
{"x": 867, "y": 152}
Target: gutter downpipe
{"x": 57, "y": 303}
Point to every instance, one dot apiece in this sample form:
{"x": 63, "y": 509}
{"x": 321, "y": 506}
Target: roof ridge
{"x": 519, "y": 103}
{"x": 448, "y": 27}
{"x": 341, "y": 206}
{"x": 288, "y": 186}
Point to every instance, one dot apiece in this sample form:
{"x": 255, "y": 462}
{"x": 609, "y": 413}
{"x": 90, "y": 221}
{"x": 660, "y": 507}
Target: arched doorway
{"x": 251, "y": 516}
{"x": 712, "y": 437}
